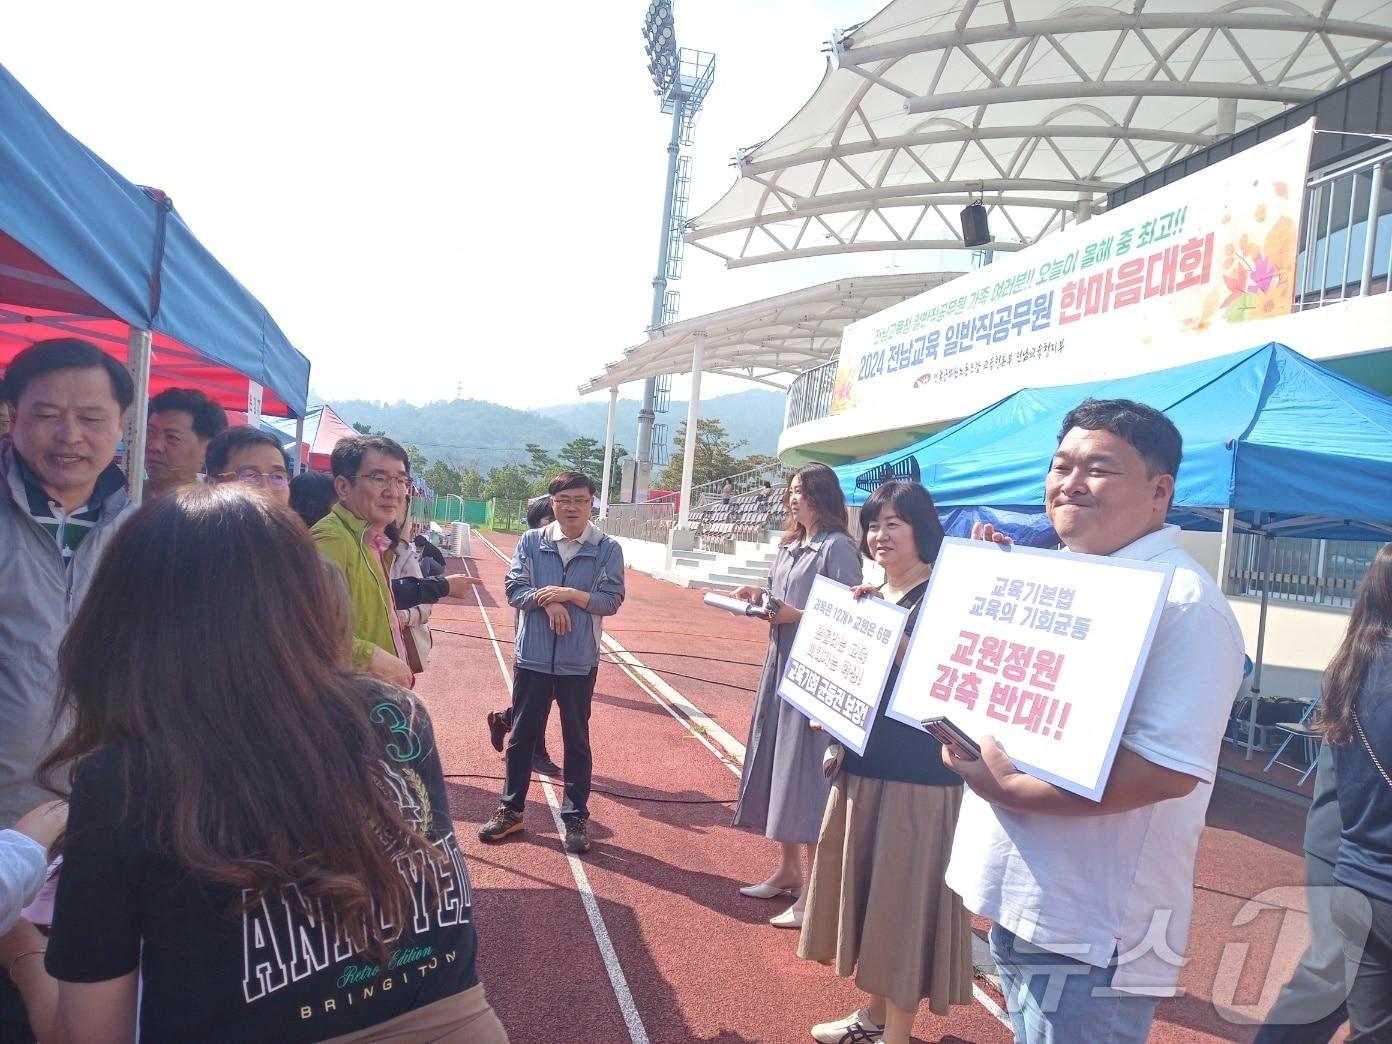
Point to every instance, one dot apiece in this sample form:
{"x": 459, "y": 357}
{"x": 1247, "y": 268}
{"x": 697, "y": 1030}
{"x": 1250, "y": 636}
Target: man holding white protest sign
{"x": 1091, "y": 899}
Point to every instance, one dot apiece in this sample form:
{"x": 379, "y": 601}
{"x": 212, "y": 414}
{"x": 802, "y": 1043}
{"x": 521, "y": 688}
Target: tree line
{"x": 717, "y": 458}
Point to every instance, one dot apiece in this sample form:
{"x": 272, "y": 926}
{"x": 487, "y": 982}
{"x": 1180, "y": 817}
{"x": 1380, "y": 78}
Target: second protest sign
{"x": 840, "y": 659}
{"x": 1042, "y": 649}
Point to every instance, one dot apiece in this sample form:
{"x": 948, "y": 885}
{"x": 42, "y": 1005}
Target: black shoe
{"x": 504, "y": 822}
{"x": 497, "y": 730}
{"x": 577, "y": 836}
{"x": 541, "y": 762}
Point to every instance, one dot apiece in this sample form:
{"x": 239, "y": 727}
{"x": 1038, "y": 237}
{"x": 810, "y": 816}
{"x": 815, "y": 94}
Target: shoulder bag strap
{"x": 1358, "y": 727}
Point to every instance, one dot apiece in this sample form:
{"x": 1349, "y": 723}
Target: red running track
{"x": 663, "y": 948}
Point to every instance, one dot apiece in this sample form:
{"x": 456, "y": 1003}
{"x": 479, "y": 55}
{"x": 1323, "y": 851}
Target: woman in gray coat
{"x": 783, "y": 790}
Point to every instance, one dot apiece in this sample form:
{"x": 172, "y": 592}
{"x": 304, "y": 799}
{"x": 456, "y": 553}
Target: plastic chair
{"x": 1309, "y": 738}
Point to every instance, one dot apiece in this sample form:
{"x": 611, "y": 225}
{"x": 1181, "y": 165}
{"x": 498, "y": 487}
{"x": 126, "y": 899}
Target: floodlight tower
{"x": 681, "y": 78}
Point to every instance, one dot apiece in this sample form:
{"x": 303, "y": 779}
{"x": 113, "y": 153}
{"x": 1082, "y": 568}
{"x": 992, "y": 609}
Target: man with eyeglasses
{"x": 371, "y": 479}
{"x": 565, "y": 578}
{"x": 252, "y": 457}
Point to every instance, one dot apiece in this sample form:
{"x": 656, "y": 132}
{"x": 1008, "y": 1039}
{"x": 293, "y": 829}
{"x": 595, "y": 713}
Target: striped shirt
{"x": 68, "y": 528}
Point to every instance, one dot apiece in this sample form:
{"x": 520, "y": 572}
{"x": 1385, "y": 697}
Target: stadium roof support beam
{"x": 767, "y": 342}
{"x": 927, "y": 103}
{"x": 1115, "y": 89}
{"x": 1099, "y": 20}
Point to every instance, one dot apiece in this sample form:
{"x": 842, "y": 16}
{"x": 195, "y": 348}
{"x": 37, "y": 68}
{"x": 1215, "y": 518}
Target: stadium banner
{"x": 841, "y": 658}
{"x": 1133, "y": 290}
{"x": 1041, "y": 649}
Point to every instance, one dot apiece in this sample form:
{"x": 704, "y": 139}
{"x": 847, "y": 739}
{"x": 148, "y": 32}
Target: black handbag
{"x": 1271, "y": 710}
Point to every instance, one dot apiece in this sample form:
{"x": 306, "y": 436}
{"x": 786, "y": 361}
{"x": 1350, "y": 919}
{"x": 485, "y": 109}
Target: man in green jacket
{"x": 371, "y": 478}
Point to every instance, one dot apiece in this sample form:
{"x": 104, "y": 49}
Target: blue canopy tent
{"x": 1288, "y": 446}
{"x": 1273, "y": 444}
{"x": 84, "y": 252}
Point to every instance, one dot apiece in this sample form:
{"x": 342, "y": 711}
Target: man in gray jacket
{"x": 565, "y": 578}
{"x": 61, "y": 499}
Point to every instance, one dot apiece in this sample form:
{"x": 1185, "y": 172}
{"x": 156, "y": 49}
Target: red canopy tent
{"x": 322, "y": 430}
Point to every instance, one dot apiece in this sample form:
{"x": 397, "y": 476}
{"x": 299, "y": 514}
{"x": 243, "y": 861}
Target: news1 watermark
{"x": 1314, "y": 934}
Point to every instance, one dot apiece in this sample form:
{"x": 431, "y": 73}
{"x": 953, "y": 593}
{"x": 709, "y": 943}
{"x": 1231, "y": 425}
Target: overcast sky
{"x": 432, "y": 195}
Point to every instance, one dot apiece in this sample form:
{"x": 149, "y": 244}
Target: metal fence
{"x": 1339, "y": 258}
{"x": 1313, "y": 572}
{"x": 651, "y": 521}
{"x": 809, "y": 396}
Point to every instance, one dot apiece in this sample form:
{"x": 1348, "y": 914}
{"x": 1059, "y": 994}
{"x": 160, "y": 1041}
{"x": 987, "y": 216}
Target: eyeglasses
{"x": 254, "y": 477}
{"x": 381, "y": 480}
{"x": 571, "y": 501}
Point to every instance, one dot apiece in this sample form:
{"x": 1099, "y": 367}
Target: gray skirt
{"x": 782, "y": 791}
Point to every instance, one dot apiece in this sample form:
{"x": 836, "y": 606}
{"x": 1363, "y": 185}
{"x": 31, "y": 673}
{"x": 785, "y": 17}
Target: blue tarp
{"x": 83, "y": 251}
{"x": 1290, "y": 446}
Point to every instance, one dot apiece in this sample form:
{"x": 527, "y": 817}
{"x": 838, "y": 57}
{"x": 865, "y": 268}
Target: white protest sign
{"x": 841, "y": 656}
{"x": 1041, "y": 649}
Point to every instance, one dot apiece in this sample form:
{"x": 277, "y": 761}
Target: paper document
{"x": 731, "y": 605}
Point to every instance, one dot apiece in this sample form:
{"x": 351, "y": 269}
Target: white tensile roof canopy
{"x": 769, "y": 341}
{"x": 1036, "y": 107}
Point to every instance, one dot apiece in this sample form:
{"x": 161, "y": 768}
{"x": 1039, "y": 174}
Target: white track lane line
{"x": 637, "y": 1032}
{"x": 701, "y": 725}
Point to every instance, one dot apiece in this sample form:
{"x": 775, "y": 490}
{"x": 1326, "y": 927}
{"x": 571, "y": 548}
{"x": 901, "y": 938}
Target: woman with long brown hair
{"x": 259, "y": 844}
{"x": 1356, "y": 717}
{"x": 783, "y": 790}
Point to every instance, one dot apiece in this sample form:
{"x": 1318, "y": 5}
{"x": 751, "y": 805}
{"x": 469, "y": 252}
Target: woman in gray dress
{"x": 783, "y": 790}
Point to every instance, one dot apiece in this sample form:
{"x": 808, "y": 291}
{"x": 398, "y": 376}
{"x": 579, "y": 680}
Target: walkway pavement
{"x": 646, "y": 938}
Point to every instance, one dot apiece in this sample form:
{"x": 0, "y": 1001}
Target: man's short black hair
{"x": 66, "y": 353}
{"x": 1147, "y": 429}
{"x": 349, "y": 453}
{"x": 571, "y": 480}
{"x": 312, "y": 496}
{"x": 227, "y": 442}
{"x": 208, "y": 418}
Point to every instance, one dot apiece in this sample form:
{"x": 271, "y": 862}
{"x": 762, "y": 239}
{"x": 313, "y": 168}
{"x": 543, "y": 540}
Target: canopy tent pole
{"x": 1267, "y": 541}
{"x": 608, "y": 453}
{"x": 693, "y": 411}
{"x": 296, "y": 465}
{"x": 138, "y": 416}
{"x": 1225, "y": 550}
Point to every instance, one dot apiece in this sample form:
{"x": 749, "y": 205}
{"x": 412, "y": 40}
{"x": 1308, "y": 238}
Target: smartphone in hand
{"x": 949, "y": 735}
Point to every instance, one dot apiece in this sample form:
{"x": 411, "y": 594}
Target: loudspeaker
{"x": 975, "y": 233}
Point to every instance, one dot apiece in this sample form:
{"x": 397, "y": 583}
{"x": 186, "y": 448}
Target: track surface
{"x": 646, "y": 938}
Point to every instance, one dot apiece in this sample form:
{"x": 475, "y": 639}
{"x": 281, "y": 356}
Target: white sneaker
{"x": 855, "y": 1028}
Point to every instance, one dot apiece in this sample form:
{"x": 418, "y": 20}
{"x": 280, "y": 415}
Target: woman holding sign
{"x": 783, "y": 790}
{"x": 877, "y": 904}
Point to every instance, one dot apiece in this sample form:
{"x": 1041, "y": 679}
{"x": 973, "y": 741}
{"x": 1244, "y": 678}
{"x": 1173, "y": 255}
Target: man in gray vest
{"x": 61, "y": 499}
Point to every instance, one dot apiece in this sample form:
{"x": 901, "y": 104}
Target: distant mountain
{"x": 483, "y": 434}
{"x": 755, "y": 415}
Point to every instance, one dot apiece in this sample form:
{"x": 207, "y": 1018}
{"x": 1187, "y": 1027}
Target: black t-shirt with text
{"x": 274, "y": 972}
